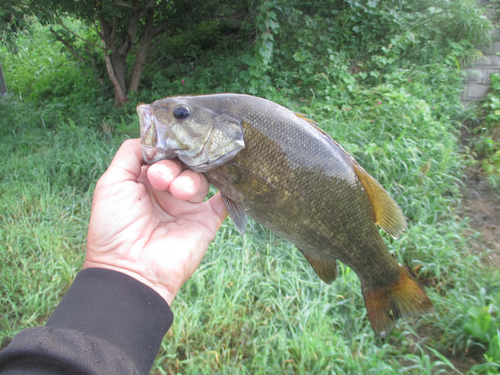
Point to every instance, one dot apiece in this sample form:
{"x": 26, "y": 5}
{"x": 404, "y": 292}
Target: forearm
{"x": 107, "y": 323}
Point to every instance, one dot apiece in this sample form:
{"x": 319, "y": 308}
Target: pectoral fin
{"x": 387, "y": 212}
{"x": 237, "y": 215}
{"x": 325, "y": 268}
{"x": 247, "y": 181}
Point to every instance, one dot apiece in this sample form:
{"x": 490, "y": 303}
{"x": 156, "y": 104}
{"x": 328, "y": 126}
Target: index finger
{"x": 190, "y": 186}
{"x": 162, "y": 173}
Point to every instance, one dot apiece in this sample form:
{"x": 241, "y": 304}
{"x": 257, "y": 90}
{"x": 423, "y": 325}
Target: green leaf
{"x": 481, "y": 323}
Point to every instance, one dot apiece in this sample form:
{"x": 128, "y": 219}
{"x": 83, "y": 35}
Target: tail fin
{"x": 386, "y": 304}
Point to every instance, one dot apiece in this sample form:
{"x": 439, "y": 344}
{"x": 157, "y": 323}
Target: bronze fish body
{"x": 279, "y": 168}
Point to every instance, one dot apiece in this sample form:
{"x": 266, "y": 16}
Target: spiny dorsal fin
{"x": 304, "y": 117}
{"x": 388, "y": 215}
{"x": 314, "y": 124}
{"x": 324, "y": 267}
{"x": 310, "y": 122}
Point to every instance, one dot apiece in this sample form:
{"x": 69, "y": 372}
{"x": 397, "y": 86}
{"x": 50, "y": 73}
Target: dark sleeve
{"x": 107, "y": 323}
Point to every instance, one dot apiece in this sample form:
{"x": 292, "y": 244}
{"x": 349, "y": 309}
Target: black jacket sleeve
{"x": 107, "y": 323}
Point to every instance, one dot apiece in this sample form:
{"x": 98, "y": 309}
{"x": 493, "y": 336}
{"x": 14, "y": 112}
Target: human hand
{"x": 151, "y": 222}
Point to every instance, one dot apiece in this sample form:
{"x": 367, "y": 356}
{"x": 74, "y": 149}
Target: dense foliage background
{"x": 382, "y": 77}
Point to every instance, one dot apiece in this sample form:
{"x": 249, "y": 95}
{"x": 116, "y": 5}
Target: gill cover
{"x": 180, "y": 127}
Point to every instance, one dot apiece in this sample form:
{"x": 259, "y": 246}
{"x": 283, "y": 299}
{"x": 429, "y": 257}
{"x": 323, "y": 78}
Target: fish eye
{"x": 181, "y": 113}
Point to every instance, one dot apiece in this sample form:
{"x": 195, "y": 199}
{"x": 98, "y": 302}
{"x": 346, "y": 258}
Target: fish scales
{"x": 291, "y": 177}
{"x": 313, "y": 208}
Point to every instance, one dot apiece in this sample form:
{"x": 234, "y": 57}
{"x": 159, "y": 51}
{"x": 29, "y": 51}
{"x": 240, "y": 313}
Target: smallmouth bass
{"x": 279, "y": 168}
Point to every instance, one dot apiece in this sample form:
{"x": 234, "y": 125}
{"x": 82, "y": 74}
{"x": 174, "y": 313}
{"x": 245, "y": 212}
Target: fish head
{"x": 198, "y": 132}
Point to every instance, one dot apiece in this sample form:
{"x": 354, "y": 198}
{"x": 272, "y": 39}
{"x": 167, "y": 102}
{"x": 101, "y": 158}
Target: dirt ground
{"x": 482, "y": 206}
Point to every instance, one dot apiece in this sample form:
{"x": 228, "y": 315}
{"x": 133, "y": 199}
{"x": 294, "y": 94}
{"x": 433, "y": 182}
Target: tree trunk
{"x": 118, "y": 63}
{"x": 120, "y": 97}
{"x": 140, "y": 62}
{"x": 3, "y": 86}
{"x": 116, "y": 60}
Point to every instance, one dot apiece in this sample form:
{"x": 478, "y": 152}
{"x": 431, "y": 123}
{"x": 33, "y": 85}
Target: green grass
{"x": 47, "y": 179}
{"x": 255, "y": 305}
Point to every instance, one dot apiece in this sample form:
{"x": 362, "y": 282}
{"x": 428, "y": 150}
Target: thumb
{"x": 126, "y": 165}
{"x": 217, "y": 205}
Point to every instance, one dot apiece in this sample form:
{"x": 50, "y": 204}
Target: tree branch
{"x": 122, "y": 4}
{"x": 142, "y": 54}
{"x": 60, "y": 22}
{"x": 106, "y": 33}
{"x": 67, "y": 45}
{"x": 113, "y": 29}
{"x": 137, "y": 14}
{"x": 151, "y": 4}
{"x": 111, "y": 73}
{"x": 160, "y": 28}
{"x": 76, "y": 35}
{"x": 155, "y": 46}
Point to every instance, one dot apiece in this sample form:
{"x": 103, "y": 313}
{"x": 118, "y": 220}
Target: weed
{"x": 487, "y": 133}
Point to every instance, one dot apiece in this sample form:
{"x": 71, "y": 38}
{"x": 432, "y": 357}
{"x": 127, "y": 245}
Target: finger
{"x": 126, "y": 165}
{"x": 217, "y": 205}
{"x": 189, "y": 186}
{"x": 162, "y": 173}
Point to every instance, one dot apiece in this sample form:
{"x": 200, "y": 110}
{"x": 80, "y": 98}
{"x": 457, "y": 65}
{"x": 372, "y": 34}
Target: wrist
{"x": 166, "y": 294}
{"x": 107, "y": 305}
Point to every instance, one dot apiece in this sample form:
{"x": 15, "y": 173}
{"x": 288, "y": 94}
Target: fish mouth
{"x": 153, "y": 146}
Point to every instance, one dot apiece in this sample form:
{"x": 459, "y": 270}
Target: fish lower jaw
{"x": 151, "y": 155}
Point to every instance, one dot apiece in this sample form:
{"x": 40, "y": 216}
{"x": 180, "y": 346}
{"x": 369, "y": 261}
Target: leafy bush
{"x": 484, "y": 323}
{"x": 43, "y": 74}
{"x": 487, "y": 142}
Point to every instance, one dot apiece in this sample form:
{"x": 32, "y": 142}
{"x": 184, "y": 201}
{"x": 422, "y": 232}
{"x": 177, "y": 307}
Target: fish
{"x": 281, "y": 169}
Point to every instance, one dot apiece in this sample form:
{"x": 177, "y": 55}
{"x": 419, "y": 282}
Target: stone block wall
{"x": 478, "y": 79}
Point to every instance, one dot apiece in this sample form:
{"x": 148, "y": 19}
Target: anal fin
{"x": 325, "y": 268}
{"x": 236, "y": 214}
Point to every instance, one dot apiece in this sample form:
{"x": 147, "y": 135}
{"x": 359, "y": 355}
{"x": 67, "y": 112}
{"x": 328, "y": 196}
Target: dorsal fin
{"x": 388, "y": 215}
{"x": 314, "y": 124}
{"x": 304, "y": 117}
{"x": 310, "y": 122}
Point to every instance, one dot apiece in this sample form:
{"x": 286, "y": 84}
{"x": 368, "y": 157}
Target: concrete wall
{"x": 478, "y": 79}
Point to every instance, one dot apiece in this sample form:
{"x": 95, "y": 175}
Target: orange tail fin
{"x": 386, "y": 304}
